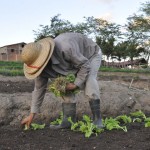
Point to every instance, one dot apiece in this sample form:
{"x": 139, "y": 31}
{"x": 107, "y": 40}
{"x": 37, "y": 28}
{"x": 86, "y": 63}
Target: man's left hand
{"x": 70, "y": 86}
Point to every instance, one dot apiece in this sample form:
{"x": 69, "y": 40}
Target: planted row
{"x": 87, "y": 127}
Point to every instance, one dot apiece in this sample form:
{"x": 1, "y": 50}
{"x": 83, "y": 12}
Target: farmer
{"x": 67, "y": 53}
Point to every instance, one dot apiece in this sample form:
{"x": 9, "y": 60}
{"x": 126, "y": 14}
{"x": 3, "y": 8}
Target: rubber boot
{"x": 69, "y": 110}
{"x": 95, "y": 108}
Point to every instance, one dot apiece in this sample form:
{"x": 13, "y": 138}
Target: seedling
{"x": 86, "y": 126}
{"x": 35, "y": 126}
{"x": 124, "y": 118}
{"x": 147, "y": 122}
{"x": 137, "y": 120}
{"x": 58, "y": 120}
{"x": 111, "y": 124}
{"x": 138, "y": 114}
{"x": 58, "y": 86}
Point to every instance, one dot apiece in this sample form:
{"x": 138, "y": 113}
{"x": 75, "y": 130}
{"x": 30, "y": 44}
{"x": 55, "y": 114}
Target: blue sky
{"x": 18, "y": 18}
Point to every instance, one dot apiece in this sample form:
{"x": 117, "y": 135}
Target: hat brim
{"x": 31, "y": 72}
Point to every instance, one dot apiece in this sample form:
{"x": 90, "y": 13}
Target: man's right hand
{"x": 28, "y": 120}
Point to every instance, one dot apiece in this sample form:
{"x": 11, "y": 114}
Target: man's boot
{"x": 95, "y": 108}
{"x": 69, "y": 110}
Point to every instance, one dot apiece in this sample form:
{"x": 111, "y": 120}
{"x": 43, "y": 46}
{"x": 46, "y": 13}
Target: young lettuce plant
{"x": 58, "y": 120}
{"x": 35, "y": 126}
{"x": 86, "y": 126}
{"x": 147, "y": 122}
{"x": 138, "y": 116}
{"x": 58, "y": 86}
{"x": 110, "y": 124}
{"x": 124, "y": 118}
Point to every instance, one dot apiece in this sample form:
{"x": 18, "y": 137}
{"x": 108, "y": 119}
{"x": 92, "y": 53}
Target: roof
{"x": 13, "y": 44}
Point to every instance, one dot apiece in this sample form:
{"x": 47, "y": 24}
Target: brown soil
{"x": 137, "y": 137}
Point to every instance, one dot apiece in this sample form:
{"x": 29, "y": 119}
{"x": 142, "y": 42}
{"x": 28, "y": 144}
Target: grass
{"x": 16, "y": 69}
{"x": 11, "y": 68}
{"x": 110, "y": 69}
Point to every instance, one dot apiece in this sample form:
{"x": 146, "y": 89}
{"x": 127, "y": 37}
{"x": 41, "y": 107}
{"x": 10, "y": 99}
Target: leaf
{"x": 87, "y": 118}
{"x": 58, "y": 85}
{"x": 137, "y": 120}
{"x": 74, "y": 126}
{"x": 147, "y": 119}
{"x": 124, "y": 118}
{"x": 138, "y": 114}
{"x": 35, "y": 126}
{"x": 147, "y": 124}
{"x": 86, "y": 126}
{"x": 111, "y": 124}
{"x": 58, "y": 120}
{"x": 70, "y": 77}
{"x": 26, "y": 127}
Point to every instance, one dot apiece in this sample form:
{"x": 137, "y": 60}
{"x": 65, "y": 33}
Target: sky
{"x": 18, "y": 18}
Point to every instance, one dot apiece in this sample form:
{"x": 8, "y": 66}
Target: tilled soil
{"x": 137, "y": 138}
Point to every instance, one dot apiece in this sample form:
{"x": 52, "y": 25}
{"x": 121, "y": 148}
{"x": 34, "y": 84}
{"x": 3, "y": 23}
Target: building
{"x": 11, "y": 52}
{"x": 137, "y": 63}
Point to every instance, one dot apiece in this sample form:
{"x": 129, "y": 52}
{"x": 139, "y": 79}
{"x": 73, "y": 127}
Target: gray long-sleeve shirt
{"x": 72, "y": 54}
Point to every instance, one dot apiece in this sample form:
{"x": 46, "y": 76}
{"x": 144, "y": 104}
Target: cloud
{"x": 105, "y": 1}
{"x": 107, "y": 16}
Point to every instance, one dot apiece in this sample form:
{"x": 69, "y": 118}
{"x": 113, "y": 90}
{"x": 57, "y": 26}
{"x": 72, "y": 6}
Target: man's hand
{"x": 28, "y": 120}
{"x": 70, "y": 86}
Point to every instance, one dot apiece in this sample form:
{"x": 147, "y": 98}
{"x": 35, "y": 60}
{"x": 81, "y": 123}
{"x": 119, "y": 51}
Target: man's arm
{"x": 38, "y": 93}
{"x": 82, "y": 63}
{"x": 37, "y": 99}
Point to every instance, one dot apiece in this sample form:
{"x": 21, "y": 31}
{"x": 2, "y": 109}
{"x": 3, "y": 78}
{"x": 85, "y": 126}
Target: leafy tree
{"x": 107, "y": 46}
{"x": 107, "y": 35}
{"x": 138, "y": 28}
{"x": 120, "y": 51}
{"x": 133, "y": 50}
{"x": 56, "y": 27}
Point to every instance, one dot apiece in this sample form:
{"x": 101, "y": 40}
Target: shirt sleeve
{"x": 38, "y": 93}
{"x": 82, "y": 63}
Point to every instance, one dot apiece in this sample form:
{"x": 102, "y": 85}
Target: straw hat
{"x": 36, "y": 55}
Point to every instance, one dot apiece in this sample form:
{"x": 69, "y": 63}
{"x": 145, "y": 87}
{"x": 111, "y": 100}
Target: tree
{"x": 107, "y": 46}
{"x": 56, "y": 27}
{"x": 107, "y": 34}
{"x": 138, "y": 28}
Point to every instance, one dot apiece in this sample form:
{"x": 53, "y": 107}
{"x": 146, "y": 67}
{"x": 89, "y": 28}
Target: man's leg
{"x": 92, "y": 91}
{"x": 69, "y": 110}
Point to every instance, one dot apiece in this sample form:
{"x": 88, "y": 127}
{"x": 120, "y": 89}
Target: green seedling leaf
{"x": 147, "y": 124}
{"x": 124, "y": 118}
{"x": 138, "y": 114}
{"x": 58, "y": 86}
{"x": 74, "y": 126}
{"x": 26, "y": 127}
{"x": 86, "y": 126}
{"x": 147, "y": 119}
{"x": 70, "y": 77}
{"x": 111, "y": 124}
{"x": 35, "y": 126}
{"x": 137, "y": 120}
{"x": 58, "y": 120}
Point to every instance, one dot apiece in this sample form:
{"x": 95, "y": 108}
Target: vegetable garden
{"x": 125, "y": 131}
